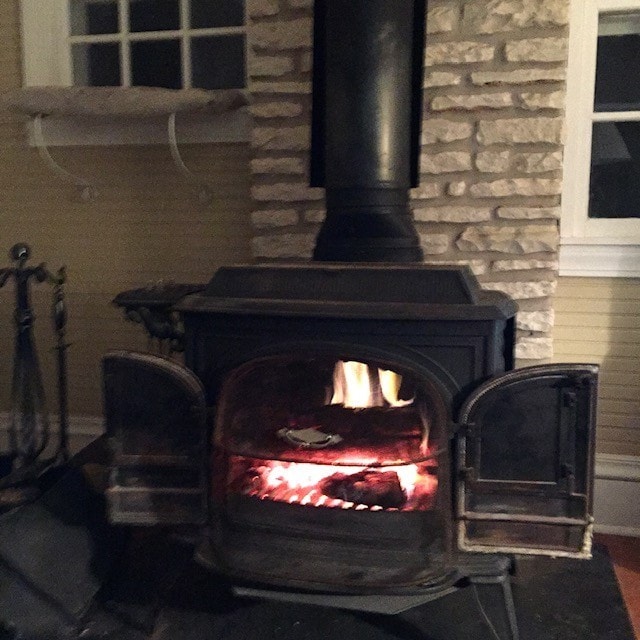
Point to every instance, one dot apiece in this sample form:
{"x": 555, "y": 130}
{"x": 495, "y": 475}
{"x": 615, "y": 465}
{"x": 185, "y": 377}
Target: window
{"x": 601, "y": 196}
{"x": 160, "y": 43}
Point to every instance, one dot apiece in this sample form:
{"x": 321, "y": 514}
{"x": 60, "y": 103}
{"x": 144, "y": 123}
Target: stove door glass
{"x": 525, "y": 455}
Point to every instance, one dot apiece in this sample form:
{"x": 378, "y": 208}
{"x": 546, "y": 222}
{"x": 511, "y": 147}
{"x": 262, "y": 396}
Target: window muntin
{"x": 164, "y": 43}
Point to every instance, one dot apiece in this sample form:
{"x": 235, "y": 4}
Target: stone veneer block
{"x": 427, "y": 190}
{"x": 452, "y": 214}
{"x": 509, "y": 239}
{"x": 440, "y": 130}
{"x": 282, "y": 36}
{"x": 458, "y": 53}
{"x": 524, "y": 265}
{"x": 540, "y": 321}
{"x": 293, "y": 88}
{"x": 534, "y": 348}
{"x": 270, "y": 65}
{"x": 517, "y": 187}
{"x": 534, "y": 101}
{"x": 456, "y": 188}
{"x": 276, "y": 110}
{"x": 442, "y": 19}
{"x": 523, "y": 290}
{"x": 278, "y": 166}
{"x": 528, "y": 213}
{"x": 537, "y": 50}
{"x": 504, "y": 161}
{"x": 314, "y": 215}
{"x": 494, "y": 16}
{"x": 285, "y": 192}
{"x": 521, "y": 131}
{"x": 471, "y": 102}
{"x": 445, "y": 162}
{"x": 434, "y": 243}
{"x": 282, "y": 138}
{"x": 275, "y": 218}
{"x": 442, "y": 79}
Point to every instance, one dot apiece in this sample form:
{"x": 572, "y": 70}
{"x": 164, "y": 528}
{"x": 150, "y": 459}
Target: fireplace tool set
{"x": 29, "y": 427}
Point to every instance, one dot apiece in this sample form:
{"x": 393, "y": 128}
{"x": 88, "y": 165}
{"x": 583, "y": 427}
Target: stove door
{"x": 525, "y": 462}
{"x": 155, "y": 414}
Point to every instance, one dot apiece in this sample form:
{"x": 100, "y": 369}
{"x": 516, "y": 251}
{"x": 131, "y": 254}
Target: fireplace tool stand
{"x": 29, "y": 428}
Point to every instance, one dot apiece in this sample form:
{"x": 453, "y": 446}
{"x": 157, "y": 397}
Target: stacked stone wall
{"x": 492, "y": 144}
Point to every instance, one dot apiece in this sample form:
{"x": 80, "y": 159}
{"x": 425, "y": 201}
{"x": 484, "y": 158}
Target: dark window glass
{"x": 615, "y": 170}
{"x": 216, "y": 13}
{"x": 617, "y": 77}
{"x": 156, "y": 63}
{"x": 89, "y": 17}
{"x": 154, "y": 15}
{"x": 218, "y": 62}
{"x": 96, "y": 65}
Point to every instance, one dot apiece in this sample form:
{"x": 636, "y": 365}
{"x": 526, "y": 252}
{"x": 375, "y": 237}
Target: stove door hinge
{"x": 464, "y": 429}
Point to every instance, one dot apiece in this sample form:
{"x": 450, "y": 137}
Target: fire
{"x": 356, "y": 385}
{"x": 307, "y": 483}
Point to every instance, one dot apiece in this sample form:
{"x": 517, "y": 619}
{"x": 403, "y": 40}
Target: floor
{"x": 625, "y": 553}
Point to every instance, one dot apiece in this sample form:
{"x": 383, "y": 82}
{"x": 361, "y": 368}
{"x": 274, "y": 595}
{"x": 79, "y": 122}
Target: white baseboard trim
{"x": 616, "y": 491}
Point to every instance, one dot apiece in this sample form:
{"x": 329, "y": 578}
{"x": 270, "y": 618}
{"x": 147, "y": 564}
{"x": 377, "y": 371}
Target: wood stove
{"x": 368, "y": 428}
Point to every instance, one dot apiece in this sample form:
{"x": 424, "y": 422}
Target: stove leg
{"x": 504, "y": 581}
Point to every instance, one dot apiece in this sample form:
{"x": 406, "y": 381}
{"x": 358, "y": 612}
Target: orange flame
{"x": 358, "y": 386}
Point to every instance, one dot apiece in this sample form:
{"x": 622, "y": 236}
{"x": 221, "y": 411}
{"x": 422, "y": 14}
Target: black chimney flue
{"x": 367, "y": 103}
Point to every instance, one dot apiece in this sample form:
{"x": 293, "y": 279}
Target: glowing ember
{"x": 350, "y": 487}
{"x": 356, "y": 385}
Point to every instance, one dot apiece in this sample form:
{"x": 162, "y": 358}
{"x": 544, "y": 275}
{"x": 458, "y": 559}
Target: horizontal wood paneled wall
{"x": 145, "y": 226}
{"x": 598, "y": 320}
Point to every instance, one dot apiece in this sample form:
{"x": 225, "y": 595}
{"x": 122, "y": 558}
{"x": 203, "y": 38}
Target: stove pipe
{"x": 367, "y": 109}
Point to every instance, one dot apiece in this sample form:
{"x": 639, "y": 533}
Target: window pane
{"x": 615, "y": 170}
{"x": 96, "y": 65}
{"x": 89, "y": 17}
{"x": 156, "y": 63}
{"x": 154, "y": 15}
{"x": 218, "y": 62}
{"x": 617, "y": 75}
{"x": 216, "y": 13}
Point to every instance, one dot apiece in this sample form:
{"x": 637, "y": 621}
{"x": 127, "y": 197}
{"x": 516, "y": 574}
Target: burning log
{"x": 368, "y": 487}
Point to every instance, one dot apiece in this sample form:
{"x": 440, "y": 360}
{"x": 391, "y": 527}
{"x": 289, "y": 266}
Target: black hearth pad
{"x": 556, "y": 599}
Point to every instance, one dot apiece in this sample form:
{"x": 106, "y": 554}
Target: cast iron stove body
{"x": 368, "y": 427}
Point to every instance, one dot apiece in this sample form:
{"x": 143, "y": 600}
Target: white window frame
{"x": 589, "y": 246}
{"x": 47, "y": 61}
{"x": 52, "y": 65}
